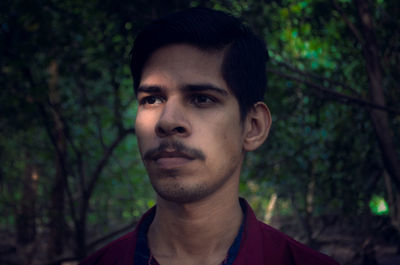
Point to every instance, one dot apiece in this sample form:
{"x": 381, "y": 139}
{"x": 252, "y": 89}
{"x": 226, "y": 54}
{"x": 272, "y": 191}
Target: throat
{"x": 196, "y": 239}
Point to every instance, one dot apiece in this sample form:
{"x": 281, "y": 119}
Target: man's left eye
{"x": 202, "y": 99}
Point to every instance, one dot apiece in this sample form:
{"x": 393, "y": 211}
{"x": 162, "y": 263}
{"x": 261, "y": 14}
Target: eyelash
{"x": 206, "y": 97}
{"x": 145, "y": 100}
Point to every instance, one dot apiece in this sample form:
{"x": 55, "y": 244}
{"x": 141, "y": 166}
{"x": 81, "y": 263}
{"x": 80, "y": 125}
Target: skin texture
{"x": 193, "y": 143}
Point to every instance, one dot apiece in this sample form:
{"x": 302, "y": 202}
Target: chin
{"x": 178, "y": 193}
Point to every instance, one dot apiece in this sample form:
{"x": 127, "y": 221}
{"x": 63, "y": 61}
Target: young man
{"x": 199, "y": 76}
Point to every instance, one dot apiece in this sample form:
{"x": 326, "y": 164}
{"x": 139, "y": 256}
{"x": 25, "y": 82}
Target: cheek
{"x": 145, "y": 121}
{"x": 144, "y": 126}
{"x": 224, "y": 149}
{"x": 226, "y": 135}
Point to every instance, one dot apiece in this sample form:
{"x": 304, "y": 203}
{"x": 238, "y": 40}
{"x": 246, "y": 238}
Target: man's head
{"x": 193, "y": 125}
{"x": 245, "y": 55}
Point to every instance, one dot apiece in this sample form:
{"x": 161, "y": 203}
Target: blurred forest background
{"x": 71, "y": 178}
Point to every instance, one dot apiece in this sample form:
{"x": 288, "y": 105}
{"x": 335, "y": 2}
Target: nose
{"x": 173, "y": 121}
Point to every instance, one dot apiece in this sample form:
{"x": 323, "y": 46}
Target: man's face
{"x": 188, "y": 124}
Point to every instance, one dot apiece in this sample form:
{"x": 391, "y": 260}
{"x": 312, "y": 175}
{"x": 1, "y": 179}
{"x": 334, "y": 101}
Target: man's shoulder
{"x": 116, "y": 252}
{"x": 264, "y": 244}
{"x": 122, "y": 250}
{"x": 296, "y": 252}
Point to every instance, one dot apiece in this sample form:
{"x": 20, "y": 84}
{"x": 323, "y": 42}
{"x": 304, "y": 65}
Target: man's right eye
{"x": 150, "y": 100}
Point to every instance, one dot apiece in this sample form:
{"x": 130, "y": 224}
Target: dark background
{"x": 71, "y": 178}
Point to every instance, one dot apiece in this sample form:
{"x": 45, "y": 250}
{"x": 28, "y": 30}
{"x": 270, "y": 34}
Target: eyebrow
{"x": 185, "y": 88}
{"x": 149, "y": 89}
{"x": 204, "y": 87}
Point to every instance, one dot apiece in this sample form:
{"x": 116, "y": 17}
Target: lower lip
{"x": 172, "y": 162}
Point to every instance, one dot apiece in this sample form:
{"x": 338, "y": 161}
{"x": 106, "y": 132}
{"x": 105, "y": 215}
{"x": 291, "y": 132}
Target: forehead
{"x": 178, "y": 64}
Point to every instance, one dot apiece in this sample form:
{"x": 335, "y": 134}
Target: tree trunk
{"x": 270, "y": 208}
{"x": 26, "y": 212}
{"x": 309, "y": 204}
{"x": 394, "y": 203}
{"x": 380, "y": 119}
{"x": 57, "y": 210}
{"x": 80, "y": 237}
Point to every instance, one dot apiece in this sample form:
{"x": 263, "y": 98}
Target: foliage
{"x": 67, "y": 98}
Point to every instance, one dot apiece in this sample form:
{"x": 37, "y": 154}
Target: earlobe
{"x": 257, "y": 125}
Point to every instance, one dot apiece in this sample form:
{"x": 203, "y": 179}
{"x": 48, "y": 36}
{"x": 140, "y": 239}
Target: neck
{"x": 195, "y": 231}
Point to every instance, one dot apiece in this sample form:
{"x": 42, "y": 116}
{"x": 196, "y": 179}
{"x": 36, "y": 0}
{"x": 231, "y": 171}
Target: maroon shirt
{"x": 260, "y": 245}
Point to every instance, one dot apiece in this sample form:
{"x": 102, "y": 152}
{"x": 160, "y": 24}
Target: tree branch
{"x": 104, "y": 160}
{"x": 351, "y": 26}
{"x": 47, "y": 126}
{"x": 117, "y": 101}
{"x": 312, "y": 75}
{"x": 346, "y": 98}
{"x": 99, "y": 127}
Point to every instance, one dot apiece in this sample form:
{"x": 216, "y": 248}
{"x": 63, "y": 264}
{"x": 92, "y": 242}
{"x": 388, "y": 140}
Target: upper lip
{"x": 170, "y": 154}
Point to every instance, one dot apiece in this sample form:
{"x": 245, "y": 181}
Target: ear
{"x": 256, "y": 127}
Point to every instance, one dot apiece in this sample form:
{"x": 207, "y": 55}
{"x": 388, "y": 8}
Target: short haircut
{"x": 244, "y": 63}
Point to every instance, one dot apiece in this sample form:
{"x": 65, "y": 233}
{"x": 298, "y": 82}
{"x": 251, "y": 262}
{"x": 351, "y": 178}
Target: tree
{"x": 70, "y": 167}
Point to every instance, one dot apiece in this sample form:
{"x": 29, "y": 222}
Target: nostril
{"x": 165, "y": 130}
{"x": 160, "y": 130}
{"x": 180, "y": 129}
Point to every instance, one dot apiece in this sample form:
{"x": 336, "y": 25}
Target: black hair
{"x": 244, "y": 65}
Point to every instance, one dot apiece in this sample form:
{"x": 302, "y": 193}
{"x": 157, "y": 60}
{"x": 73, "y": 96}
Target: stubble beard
{"x": 171, "y": 186}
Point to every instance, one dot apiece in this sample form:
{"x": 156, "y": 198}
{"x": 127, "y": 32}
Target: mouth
{"x": 173, "y": 159}
{"x": 171, "y": 155}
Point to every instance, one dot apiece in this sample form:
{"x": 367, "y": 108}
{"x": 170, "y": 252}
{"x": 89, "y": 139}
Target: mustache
{"x": 176, "y": 146}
